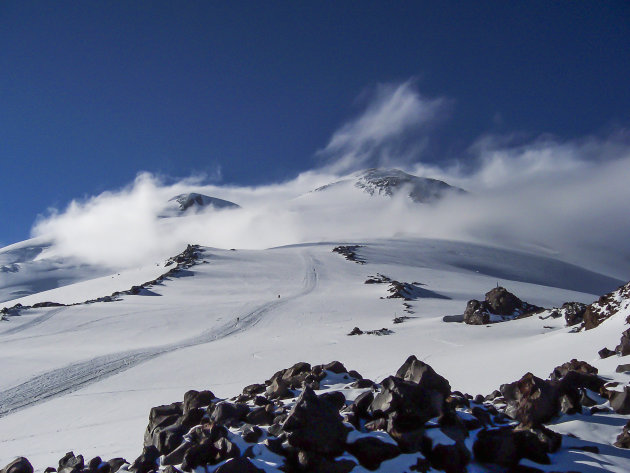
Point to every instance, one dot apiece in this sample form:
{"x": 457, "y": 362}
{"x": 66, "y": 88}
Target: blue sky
{"x": 92, "y": 93}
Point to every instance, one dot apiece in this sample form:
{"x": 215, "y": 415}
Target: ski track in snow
{"x": 78, "y": 375}
{"x": 31, "y": 323}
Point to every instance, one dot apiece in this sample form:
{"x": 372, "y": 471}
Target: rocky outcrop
{"x": 499, "y": 305}
{"x": 606, "y": 306}
{"x": 350, "y": 253}
{"x": 412, "y": 418}
{"x": 186, "y": 259}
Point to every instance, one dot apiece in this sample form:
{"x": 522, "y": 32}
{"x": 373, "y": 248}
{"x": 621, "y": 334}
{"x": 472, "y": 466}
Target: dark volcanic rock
{"x": 422, "y": 374}
{"x": 499, "y": 302}
{"x": 315, "y": 425}
{"x": 620, "y": 401}
{"x": 573, "y": 365}
{"x": 411, "y": 403}
{"x": 226, "y": 413}
{"x": 371, "y": 452}
{"x": 71, "y": 463}
{"x": 356, "y": 331}
{"x": 261, "y": 415}
{"x": 238, "y": 465}
{"x": 278, "y": 389}
{"x": 606, "y": 353}
{"x": 496, "y": 446}
{"x": 573, "y": 312}
{"x": 531, "y": 400}
{"x": 350, "y": 253}
{"x": 623, "y": 348}
{"x": 450, "y": 458}
{"x": 623, "y": 440}
{"x": 194, "y": 399}
{"x": 606, "y": 306}
{"x": 147, "y": 461}
{"x": 19, "y": 465}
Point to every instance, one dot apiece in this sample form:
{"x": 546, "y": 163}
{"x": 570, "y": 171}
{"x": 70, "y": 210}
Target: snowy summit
{"x": 390, "y": 182}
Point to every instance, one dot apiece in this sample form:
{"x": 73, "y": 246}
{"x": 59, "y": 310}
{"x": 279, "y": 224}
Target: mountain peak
{"x": 196, "y": 200}
{"x": 388, "y": 182}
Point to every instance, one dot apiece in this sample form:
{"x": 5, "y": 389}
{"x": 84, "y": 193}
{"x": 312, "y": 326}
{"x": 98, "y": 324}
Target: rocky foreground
{"x": 325, "y": 418}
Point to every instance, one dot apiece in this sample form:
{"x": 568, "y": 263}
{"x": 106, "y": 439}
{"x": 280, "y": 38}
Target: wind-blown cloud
{"x": 567, "y": 198}
{"x": 393, "y": 128}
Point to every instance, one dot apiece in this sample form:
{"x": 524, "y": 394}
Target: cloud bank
{"x": 564, "y": 198}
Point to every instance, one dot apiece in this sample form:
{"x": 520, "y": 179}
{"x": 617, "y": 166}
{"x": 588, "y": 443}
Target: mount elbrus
{"x": 220, "y": 359}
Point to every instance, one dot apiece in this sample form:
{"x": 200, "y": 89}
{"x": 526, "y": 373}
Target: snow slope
{"x": 83, "y": 378}
{"x": 30, "y": 267}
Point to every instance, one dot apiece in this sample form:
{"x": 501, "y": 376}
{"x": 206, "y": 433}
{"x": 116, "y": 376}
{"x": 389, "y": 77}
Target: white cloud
{"x": 566, "y": 198}
{"x": 392, "y": 128}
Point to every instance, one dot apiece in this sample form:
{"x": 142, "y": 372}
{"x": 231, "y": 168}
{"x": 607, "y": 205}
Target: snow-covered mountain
{"x": 194, "y": 202}
{"x": 389, "y": 182}
{"x": 265, "y": 343}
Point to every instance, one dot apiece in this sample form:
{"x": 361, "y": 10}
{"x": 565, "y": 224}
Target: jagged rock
{"x": 623, "y": 440}
{"x": 355, "y": 374}
{"x": 334, "y": 398}
{"x": 251, "y": 433}
{"x": 412, "y": 403}
{"x": 238, "y": 465}
{"x": 575, "y": 379}
{"x": 475, "y": 313}
{"x": 573, "y": 365}
{"x": 147, "y": 461}
{"x": 19, "y": 465}
{"x": 419, "y": 372}
{"x": 94, "y": 463}
{"x": 498, "y": 302}
{"x": 176, "y": 456}
{"x": 350, "y": 253}
{"x": 194, "y": 399}
{"x": 191, "y": 418}
{"x": 228, "y": 414}
{"x": 361, "y": 404}
{"x": 335, "y": 367}
{"x": 208, "y": 452}
{"x": 620, "y": 401}
{"x": 71, "y": 463}
{"x": 371, "y": 452}
{"x": 315, "y": 425}
{"x": 606, "y": 306}
{"x": 496, "y": 446}
{"x": 296, "y": 369}
{"x": 505, "y": 446}
{"x": 450, "y": 458}
{"x": 356, "y": 331}
{"x": 165, "y": 431}
{"x": 623, "y": 348}
{"x": 278, "y": 389}
{"x": 261, "y": 416}
{"x": 623, "y": 368}
{"x": 573, "y": 312}
{"x": 531, "y": 400}
{"x": 606, "y": 353}
{"x": 254, "y": 389}
{"x": 116, "y": 463}
{"x": 362, "y": 384}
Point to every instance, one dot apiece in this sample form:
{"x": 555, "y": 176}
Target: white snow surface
{"x": 83, "y": 378}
